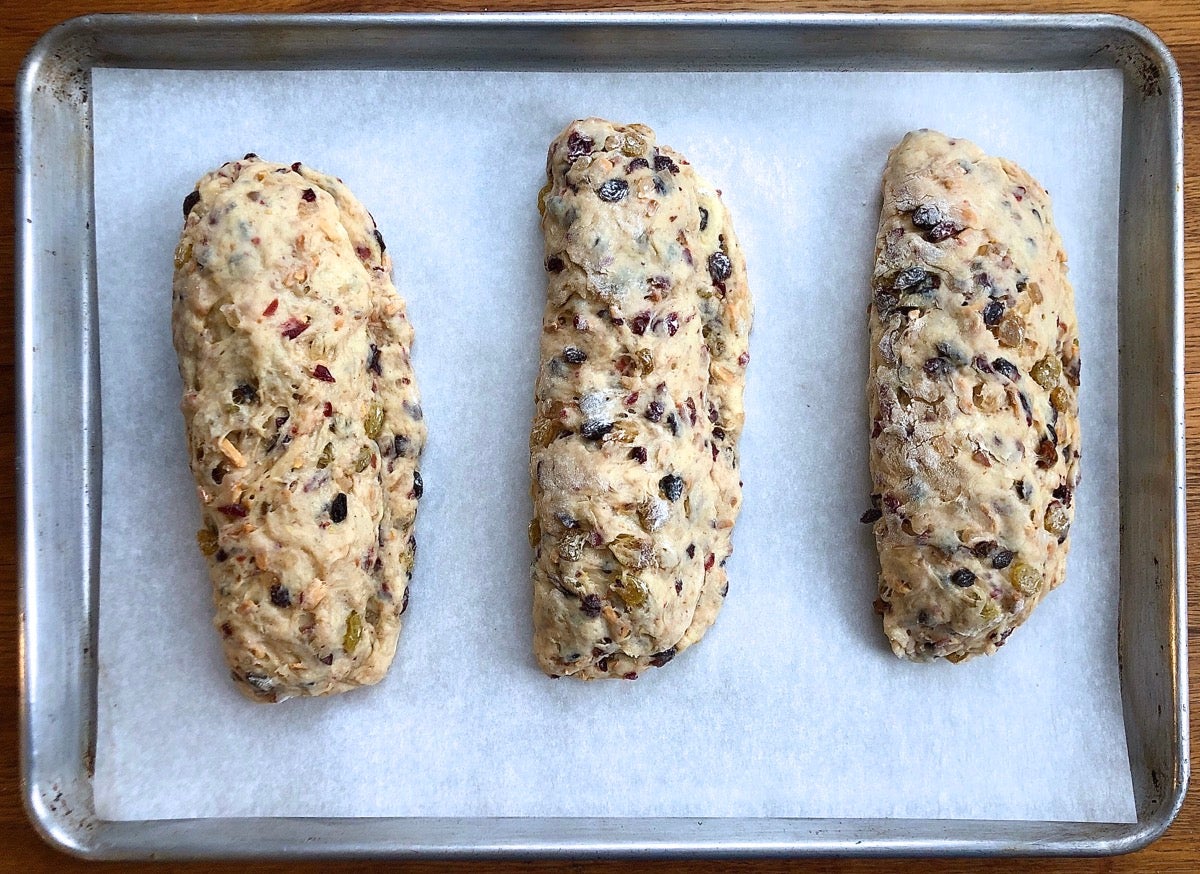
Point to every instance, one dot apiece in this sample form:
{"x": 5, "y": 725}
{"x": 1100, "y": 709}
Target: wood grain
{"x": 1177, "y": 22}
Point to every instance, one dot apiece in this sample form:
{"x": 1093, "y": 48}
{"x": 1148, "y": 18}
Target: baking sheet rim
{"x": 48, "y": 821}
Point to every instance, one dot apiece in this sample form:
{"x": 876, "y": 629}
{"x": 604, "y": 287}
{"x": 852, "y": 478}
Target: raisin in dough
{"x": 304, "y": 426}
{"x": 633, "y": 454}
{"x": 972, "y": 390}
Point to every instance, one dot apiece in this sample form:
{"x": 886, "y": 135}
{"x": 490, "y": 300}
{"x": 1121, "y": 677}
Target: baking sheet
{"x": 792, "y": 706}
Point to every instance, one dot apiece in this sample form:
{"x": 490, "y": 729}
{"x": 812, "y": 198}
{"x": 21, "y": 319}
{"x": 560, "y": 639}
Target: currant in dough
{"x": 633, "y": 452}
{"x": 972, "y": 390}
{"x": 304, "y": 426}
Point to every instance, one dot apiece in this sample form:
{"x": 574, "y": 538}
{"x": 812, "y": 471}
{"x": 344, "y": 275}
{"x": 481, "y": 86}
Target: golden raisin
{"x": 207, "y": 538}
{"x": 632, "y": 591}
{"x": 326, "y": 458}
{"x": 631, "y": 551}
{"x": 623, "y": 431}
{"x": 363, "y": 461}
{"x": 542, "y": 198}
{"x": 535, "y": 533}
{"x": 183, "y": 254}
{"x": 544, "y": 432}
{"x": 633, "y": 146}
{"x": 1058, "y": 519}
{"x": 354, "y": 630}
{"x": 373, "y": 424}
{"x": 1047, "y": 372}
{"x": 1012, "y": 330}
{"x": 1025, "y": 579}
{"x": 570, "y": 548}
{"x": 1060, "y": 399}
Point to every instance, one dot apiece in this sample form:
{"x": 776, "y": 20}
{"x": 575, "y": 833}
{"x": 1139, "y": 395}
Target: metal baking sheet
{"x": 60, "y": 391}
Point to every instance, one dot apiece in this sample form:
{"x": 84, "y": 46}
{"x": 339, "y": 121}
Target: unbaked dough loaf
{"x": 633, "y": 454}
{"x": 974, "y": 374}
{"x": 303, "y": 423}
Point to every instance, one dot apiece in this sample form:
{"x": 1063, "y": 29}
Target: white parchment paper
{"x": 792, "y": 705}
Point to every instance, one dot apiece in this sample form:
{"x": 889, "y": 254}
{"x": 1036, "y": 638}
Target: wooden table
{"x": 1176, "y": 21}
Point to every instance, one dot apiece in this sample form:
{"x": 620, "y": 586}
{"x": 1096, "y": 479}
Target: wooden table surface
{"x": 1176, "y": 21}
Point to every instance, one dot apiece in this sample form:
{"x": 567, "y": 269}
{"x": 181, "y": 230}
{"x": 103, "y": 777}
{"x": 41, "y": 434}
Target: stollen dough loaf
{"x": 303, "y": 423}
{"x": 974, "y": 373}
{"x": 633, "y": 452}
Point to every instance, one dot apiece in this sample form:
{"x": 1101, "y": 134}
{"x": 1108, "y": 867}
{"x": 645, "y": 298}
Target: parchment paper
{"x": 792, "y": 705}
